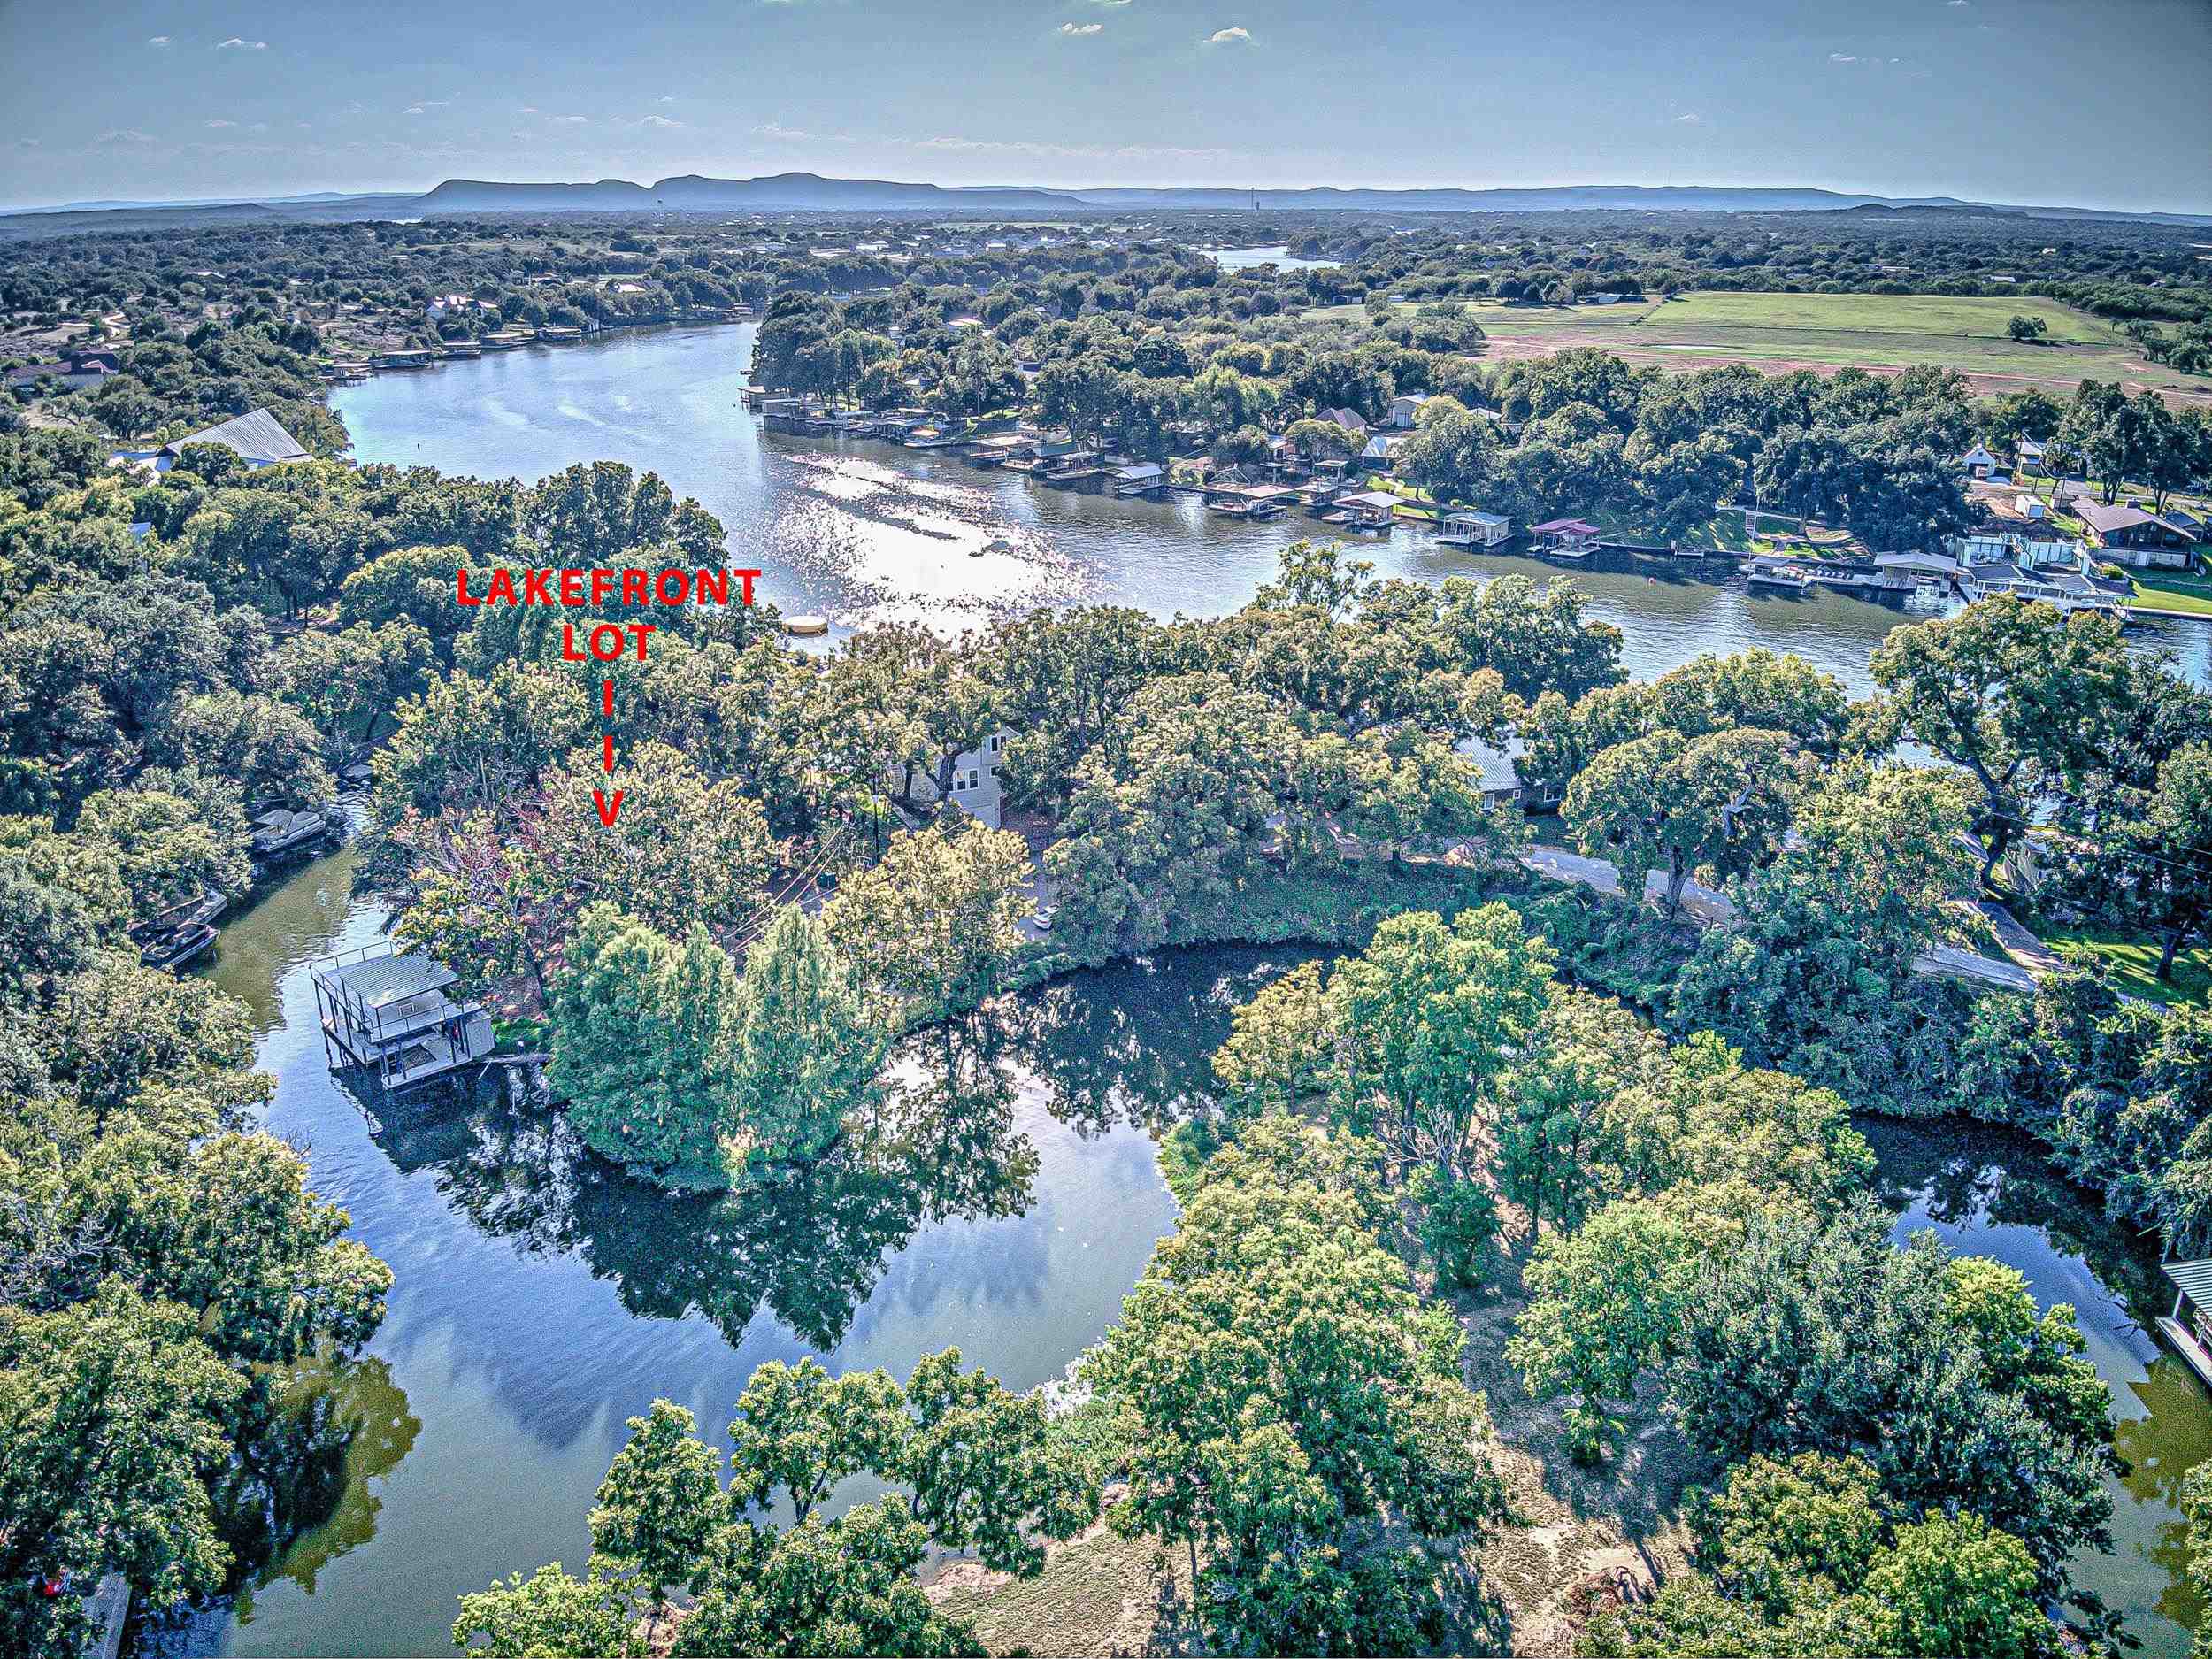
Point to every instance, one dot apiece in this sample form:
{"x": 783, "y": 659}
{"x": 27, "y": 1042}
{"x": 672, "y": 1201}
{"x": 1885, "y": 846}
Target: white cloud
{"x": 1080, "y": 28}
{"x": 568, "y": 120}
{"x": 222, "y": 123}
{"x": 1958, "y": 3}
{"x": 528, "y": 109}
{"x": 1843, "y": 57}
{"x": 785, "y": 134}
{"x": 256, "y": 126}
{"x": 659, "y": 120}
{"x": 236, "y": 44}
{"x": 124, "y": 135}
{"x": 157, "y": 40}
{"x": 1227, "y": 37}
{"x": 664, "y": 98}
{"x": 1691, "y": 119}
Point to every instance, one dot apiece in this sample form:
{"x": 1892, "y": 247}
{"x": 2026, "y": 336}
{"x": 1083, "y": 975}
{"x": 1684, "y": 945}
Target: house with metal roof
{"x": 254, "y": 437}
{"x": 2129, "y": 535}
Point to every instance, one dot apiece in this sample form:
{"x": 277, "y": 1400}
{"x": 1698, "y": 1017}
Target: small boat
{"x": 997, "y": 544}
{"x": 173, "y": 952}
{"x": 807, "y": 626}
{"x": 280, "y": 831}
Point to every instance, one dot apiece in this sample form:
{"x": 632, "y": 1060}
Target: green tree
{"x": 984, "y": 1470}
{"x": 642, "y": 1045}
{"x": 660, "y": 1506}
{"x": 2014, "y": 693}
{"x": 803, "y": 1048}
{"x": 109, "y": 1412}
{"x": 1718, "y": 804}
{"x": 1274, "y": 1306}
{"x": 550, "y": 1613}
{"x": 937, "y": 920}
{"x": 1426, "y": 1020}
{"x": 802, "y": 1429}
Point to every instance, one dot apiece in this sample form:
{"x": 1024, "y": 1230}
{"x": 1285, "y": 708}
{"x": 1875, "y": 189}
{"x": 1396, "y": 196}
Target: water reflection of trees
{"x": 1134, "y": 1043}
{"x": 1129, "y": 1044}
{"x": 1967, "y": 1174}
{"x": 298, "y": 1497}
{"x": 811, "y": 1248}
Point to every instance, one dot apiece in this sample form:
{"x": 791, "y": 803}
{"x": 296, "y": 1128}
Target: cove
{"x": 541, "y": 1299}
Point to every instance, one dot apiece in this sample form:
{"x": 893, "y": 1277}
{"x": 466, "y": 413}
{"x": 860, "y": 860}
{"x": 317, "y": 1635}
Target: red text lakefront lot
{"x": 578, "y": 588}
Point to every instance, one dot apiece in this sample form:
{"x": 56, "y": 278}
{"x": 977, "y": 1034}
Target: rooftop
{"x": 255, "y": 435}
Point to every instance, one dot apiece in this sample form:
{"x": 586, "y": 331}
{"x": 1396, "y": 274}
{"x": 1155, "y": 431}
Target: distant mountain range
{"x": 809, "y": 192}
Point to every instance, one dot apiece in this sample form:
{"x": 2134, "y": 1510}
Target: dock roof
{"x": 381, "y": 981}
{"x": 2193, "y": 1280}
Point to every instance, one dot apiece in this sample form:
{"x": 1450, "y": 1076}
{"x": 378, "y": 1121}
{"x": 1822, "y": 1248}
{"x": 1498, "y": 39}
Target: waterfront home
{"x": 2008, "y": 549}
{"x": 2188, "y": 1327}
{"x": 2129, "y": 535}
{"x": 2027, "y": 457}
{"x": 1564, "y": 538}
{"x": 1138, "y": 477}
{"x": 1381, "y": 453}
{"x": 1405, "y": 410}
{"x": 975, "y": 783}
{"x": 1502, "y": 783}
{"x": 388, "y": 1013}
{"x": 1978, "y": 463}
{"x": 1346, "y": 418}
{"x": 255, "y": 437}
{"x": 1476, "y": 529}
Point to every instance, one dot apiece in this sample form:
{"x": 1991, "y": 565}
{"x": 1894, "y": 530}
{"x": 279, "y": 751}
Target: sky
{"x": 2091, "y": 102}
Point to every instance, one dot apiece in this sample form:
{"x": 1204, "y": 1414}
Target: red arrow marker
{"x": 606, "y": 751}
{"x": 606, "y": 698}
{"x": 608, "y": 809}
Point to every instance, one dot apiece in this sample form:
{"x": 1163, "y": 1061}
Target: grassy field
{"x": 2134, "y": 963}
{"x": 1779, "y": 332}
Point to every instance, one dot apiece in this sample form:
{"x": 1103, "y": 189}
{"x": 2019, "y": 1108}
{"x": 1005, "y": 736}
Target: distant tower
{"x": 1255, "y": 201}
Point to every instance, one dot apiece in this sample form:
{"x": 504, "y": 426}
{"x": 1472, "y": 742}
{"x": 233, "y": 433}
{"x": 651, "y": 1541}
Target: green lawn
{"x": 2172, "y": 593}
{"x": 2135, "y": 963}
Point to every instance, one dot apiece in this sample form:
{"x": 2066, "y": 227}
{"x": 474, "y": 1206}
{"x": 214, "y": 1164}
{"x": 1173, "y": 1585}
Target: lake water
{"x": 859, "y": 530}
{"x": 1279, "y": 255}
{"x": 540, "y": 1300}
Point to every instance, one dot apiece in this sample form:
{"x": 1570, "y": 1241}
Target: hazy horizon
{"x": 2024, "y": 101}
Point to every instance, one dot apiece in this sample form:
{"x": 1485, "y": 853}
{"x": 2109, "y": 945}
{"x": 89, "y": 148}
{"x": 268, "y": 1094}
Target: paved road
{"x": 1705, "y": 907}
